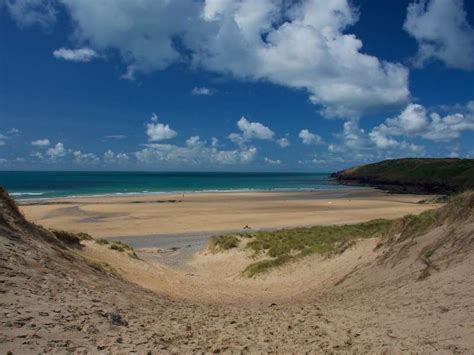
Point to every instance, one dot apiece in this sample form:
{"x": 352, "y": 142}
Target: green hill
{"x": 413, "y": 175}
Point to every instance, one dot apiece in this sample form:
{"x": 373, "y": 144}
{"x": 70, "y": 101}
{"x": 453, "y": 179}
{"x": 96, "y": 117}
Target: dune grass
{"x": 102, "y": 241}
{"x": 70, "y": 238}
{"x": 224, "y": 242}
{"x": 287, "y": 245}
{"x": 283, "y": 246}
{"x": 118, "y": 246}
{"x": 415, "y": 225}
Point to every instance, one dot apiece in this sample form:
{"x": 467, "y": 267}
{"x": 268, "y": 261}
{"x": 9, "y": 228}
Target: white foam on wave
{"x": 27, "y": 193}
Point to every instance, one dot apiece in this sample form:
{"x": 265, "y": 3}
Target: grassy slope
{"x": 283, "y": 246}
{"x": 414, "y": 175}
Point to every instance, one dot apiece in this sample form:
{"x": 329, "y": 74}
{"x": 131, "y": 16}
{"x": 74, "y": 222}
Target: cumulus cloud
{"x": 32, "y": 12}
{"x": 254, "y": 130}
{"x": 84, "y": 158}
{"x": 2, "y": 139}
{"x": 374, "y": 145}
{"x": 249, "y": 131}
{"x": 442, "y": 31}
{"x": 354, "y": 136}
{"x": 283, "y": 142}
{"x": 448, "y": 127}
{"x": 416, "y": 121}
{"x": 470, "y": 106}
{"x": 41, "y": 142}
{"x": 304, "y": 44}
{"x": 202, "y": 91}
{"x": 159, "y": 131}
{"x": 13, "y": 131}
{"x": 309, "y": 138}
{"x": 195, "y": 152}
{"x": 56, "y": 152}
{"x": 111, "y": 157}
{"x": 272, "y": 161}
{"x": 75, "y": 55}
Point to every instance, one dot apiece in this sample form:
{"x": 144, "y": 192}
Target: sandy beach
{"x": 213, "y": 213}
{"x": 380, "y": 295}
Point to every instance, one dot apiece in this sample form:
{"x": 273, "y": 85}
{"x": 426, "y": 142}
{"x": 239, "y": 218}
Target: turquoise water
{"x": 24, "y": 185}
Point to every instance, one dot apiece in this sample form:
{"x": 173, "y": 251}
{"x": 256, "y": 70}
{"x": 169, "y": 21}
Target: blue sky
{"x": 266, "y": 85}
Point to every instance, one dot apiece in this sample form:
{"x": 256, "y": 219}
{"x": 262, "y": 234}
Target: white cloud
{"x": 41, "y": 142}
{"x": 381, "y": 140}
{"x": 249, "y": 131}
{"x": 449, "y": 127}
{"x": 37, "y": 155}
{"x": 236, "y": 138}
{"x": 56, "y": 152}
{"x": 271, "y": 161}
{"x": 283, "y": 142}
{"x": 32, "y": 12}
{"x": 75, "y": 55}
{"x": 84, "y": 158}
{"x": 360, "y": 146}
{"x": 115, "y": 158}
{"x": 195, "y": 152}
{"x": 304, "y": 45}
{"x": 159, "y": 131}
{"x": 202, "y": 91}
{"x": 116, "y": 136}
{"x": 309, "y": 138}
{"x": 414, "y": 121}
{"x": 470, "y": 106}
{"x": 442, "y": 32}
{"x": 2, "y": 139}
{"x": 254, "y": 130}
{"x": 353, "y": 136}
{"x": 13, "y": 131}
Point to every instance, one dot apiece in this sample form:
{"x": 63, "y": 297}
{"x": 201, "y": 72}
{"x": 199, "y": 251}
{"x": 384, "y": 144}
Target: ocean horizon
{"x": 55, "y": 184}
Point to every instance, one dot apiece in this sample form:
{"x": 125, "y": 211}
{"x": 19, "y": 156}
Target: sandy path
{"x": 217, "y": 212}
{"x": 174, "y": 250}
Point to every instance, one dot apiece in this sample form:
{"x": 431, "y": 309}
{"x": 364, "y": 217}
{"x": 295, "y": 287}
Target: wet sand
{"x": 214, "y": 213}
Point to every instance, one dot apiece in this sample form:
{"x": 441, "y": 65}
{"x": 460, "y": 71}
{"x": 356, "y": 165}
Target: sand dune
{"x": 380, "y": 295}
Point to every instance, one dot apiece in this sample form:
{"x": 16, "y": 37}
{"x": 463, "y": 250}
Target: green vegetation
{"x": 444, "y": 176}
{"x": 437, "y": 199}
{"x": 412, "y": 226}
{"x": 224, "y": 242}
{"x": 102, "y": 241}
{"x": 286, "y": 245}
{"x": 283, "y": 246}
{"x": 118, "y": 246}
{"x": 69, "y": 238}
{"x": 428, "y": 254}
{"x": 100, "y": 265}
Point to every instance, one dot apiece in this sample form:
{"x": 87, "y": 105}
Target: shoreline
{"x": 38, "y": 200}
{"x": 217, "y": 212}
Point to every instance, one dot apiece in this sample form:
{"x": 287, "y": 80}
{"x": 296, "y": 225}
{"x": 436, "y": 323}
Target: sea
{"x": 54, "y": 184}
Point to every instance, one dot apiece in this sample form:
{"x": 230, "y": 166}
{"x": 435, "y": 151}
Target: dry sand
{"x": 217, "y": 212}
{"x": 369, "y": 299}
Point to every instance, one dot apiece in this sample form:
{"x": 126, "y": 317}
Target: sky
{"x": 233, "y": 85}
